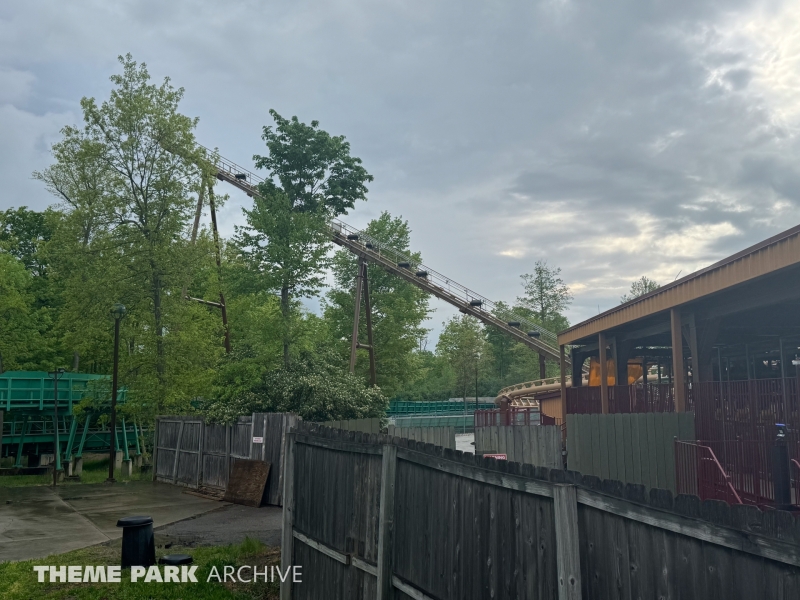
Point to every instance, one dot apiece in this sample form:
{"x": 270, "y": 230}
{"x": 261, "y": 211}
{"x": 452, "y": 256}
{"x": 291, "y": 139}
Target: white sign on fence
{"x": 258, "y": 440}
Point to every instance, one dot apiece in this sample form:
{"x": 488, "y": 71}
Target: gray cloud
{"x": 614, "y": 139}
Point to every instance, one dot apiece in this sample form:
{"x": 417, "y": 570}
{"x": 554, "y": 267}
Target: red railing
{"x": 516, "y": 415}
{"x": 698, "y": 472}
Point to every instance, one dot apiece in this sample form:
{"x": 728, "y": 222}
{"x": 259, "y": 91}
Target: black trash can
{"x": 138, "y": 543}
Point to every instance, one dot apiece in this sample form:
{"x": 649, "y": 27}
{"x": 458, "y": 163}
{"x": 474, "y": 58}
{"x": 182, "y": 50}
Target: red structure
{"x": 724, "y": 343}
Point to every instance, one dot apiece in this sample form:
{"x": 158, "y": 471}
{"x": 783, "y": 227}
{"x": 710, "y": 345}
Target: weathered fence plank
{"x": 639, "y": 447}
{"x": 565, "y": 505}
{"x": 538, "y": 445}
{"x": 287, "y": 540}
{"x": 467, "y": 527}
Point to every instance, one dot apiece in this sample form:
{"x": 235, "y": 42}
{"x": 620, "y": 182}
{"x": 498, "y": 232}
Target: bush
{"x": 314, "y": 386}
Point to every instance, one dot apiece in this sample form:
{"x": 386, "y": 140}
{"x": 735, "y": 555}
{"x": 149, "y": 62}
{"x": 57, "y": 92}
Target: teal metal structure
{"x": 30, "y": 425}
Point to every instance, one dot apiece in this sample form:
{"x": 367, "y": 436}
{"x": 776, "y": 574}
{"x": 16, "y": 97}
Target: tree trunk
{"x": 285, "y": 313}
{"x": 160, "y": 366}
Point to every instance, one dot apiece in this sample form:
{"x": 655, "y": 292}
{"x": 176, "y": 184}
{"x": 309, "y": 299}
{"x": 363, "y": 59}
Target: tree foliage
{"x": 125, "y": 181}
{"x": 312, "y": 178}
{"x": 546, "y": 296}
{"x": 462, "y": 343}
{"x": 398, "y": 309}
{"x": 314, "y": 386}
{"x": 640, "y": 287}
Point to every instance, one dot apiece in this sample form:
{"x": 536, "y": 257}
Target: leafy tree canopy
{"x": 640, "y": 287}
{"x": 313, "y": 168}
{"x": 314, "y": 386}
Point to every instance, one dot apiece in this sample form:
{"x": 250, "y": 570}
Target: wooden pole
{"x": 287, "y": 540}
{"x": 542, "y": 367}
{"x": 356, "y": 315}
{"x": 677, "y": 360}
{"x": 370, "y": 341}
{"x": 219, "y": 270}
{"x": 601, "y": 342}
{"x": 568, "y": 558}
{"x": 386, "y": 521}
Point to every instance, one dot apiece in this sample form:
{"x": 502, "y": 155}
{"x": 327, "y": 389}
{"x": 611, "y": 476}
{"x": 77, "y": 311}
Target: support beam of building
{"x": 577, "y": 367}
{"x": 677, "y": 360}
{"x": 601, "y": 341}
{"x": 693, "y": 348}
{"x": 563, "y": 366}
{"x": 542, "y": 367}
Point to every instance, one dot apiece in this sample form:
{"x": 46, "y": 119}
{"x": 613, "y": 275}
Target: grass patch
{"x": 19, "y": 581}
{"x": 95, "y": 470}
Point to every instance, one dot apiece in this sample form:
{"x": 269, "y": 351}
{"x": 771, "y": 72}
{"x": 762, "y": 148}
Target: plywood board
{"x": 247, "y": 482}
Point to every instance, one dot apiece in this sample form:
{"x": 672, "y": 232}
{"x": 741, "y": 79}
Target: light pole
{"x": 118, "y": 312}
{"x": 477, "y": 362}
{"x": 56, "y": 375}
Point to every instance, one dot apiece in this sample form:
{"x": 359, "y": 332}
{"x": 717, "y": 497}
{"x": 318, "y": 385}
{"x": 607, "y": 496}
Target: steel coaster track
{"x": 361, "y": 244}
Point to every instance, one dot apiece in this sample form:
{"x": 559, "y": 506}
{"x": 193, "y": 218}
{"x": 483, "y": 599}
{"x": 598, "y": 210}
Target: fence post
{"x": 155, "y": 444}
{"x": 565, "y": 503}
{"x": 287, "y": 540}
{"x": 177, "y": 453}
{"x": 200, "y": 453}
{"x": 386, "y": 521}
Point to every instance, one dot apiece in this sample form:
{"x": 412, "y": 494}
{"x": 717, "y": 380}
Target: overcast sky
{"x": 613, "y": 139}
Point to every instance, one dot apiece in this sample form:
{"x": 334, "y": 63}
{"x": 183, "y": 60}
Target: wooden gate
{"x": 193, "y": 453}
{"x": 177, "y": 446}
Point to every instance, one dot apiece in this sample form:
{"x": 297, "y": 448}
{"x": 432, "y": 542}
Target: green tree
{"x": 20, "y": 323}
{"x": 312, "y": 178}
{"x": 546, "y": 296}
{"x": 640, "y": 287}
{"x": 23, "y": 234}
{"x": 398, "y": 309}
{"x": 462, "y": 343}
{"x": 313, "y": 386}
{"x": 126, "y": 180}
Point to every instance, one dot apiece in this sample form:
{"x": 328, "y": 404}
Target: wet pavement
{"x": 228, "y": 525}
{"x": 465, "y": 442}
{"x": 37, "y": 521}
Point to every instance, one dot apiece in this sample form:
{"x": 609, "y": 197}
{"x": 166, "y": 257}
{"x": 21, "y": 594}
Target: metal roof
{"x": 766, "y": 257}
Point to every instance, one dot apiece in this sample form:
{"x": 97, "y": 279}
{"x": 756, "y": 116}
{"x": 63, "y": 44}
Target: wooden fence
{"x": 363, "y": 425}
{"x": 538, "y": 445}
{"x": 632, "y": 448}
{"x": 188, "y": 451}
{"x": 438, "y": 436}
{"x": 406, "y": 520}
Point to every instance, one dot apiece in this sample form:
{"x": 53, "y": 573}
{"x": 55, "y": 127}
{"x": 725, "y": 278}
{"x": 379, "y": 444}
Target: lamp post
{"x": 56, "y": 375}
{"x": 118, "y": 312}
{"x": 477, "y": 362}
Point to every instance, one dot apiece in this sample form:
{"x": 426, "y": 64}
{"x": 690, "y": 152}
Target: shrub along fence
{"x": 632, "y": 448}
{"x": 538, "y": 445}
{"x": 188, "y": 451}
{"x": 405, "y": 520}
